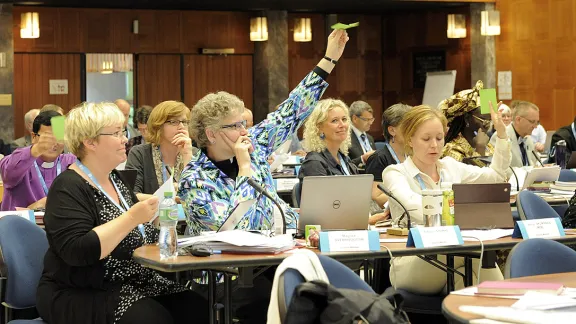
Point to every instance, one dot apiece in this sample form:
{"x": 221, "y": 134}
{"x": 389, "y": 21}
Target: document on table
{"x": 394, "y": 240}
{"x": 486, "y": 235}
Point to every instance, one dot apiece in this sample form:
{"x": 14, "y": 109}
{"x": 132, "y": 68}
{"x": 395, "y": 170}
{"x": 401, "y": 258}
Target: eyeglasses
{"x": 118, "y": 134}
{"x": 533, "y": 122}
{"x": 235, "y": 126}
{"x": 370, "y": 120}
{"x": 485, "y": 122}
{"x": 175, "y": 122}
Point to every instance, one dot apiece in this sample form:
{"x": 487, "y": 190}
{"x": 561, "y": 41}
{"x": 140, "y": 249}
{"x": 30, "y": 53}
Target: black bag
{"x": 569, "y": 218}
{"x": 316, "y": 302}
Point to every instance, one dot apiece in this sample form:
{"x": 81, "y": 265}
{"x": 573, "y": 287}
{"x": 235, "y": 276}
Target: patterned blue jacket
{"x": 209, "y": 195}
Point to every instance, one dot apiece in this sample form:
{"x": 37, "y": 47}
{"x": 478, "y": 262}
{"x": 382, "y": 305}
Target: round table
{"x": 452, "y": 302}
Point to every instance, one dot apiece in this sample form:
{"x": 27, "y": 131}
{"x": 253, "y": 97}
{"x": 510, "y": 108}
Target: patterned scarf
{"x": 157, "y": 158}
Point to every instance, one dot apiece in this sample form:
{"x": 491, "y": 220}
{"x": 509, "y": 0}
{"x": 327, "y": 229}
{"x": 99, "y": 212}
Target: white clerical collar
{"x": 48, "y": 165}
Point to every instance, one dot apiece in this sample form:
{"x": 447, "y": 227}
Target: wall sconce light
{"x": 490, "y": 23}
{"x": 258, "y": 29}
{"x": 456, "y": 26}
{"x": 302, "y": 30}
{"x": 29, "y": 25}
{"x": 107, "y": 67}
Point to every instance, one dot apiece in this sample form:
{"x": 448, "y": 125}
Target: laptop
{"x": 548, "y": 142}
{"x": 336, "y": 202}
{"x": 482, "y": 206}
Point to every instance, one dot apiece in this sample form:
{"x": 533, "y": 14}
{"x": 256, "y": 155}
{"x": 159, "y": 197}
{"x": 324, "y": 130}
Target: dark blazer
{"x": 140, "y": 159}
{"x": 323, "y": 164}
{"x": 355, "y": 151}
{"x": 564, "y": 133}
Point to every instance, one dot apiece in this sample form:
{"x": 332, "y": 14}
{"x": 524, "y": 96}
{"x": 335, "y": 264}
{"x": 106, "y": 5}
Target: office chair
{"x": 22, "y": 245}
{"x": 530, "y": 206}
{"x": 420, "y": 304}
{"x": 567, "y": 176}
{"x": 379, "y": 145}
{"x": 538, "y": 257}
{"x": 340, "y": 276}
{"x": 296, "y": 194}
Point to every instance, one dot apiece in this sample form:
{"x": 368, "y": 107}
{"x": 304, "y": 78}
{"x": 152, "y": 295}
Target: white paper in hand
{"x": 168, "y": 186}
{"x": 237, "y": 215}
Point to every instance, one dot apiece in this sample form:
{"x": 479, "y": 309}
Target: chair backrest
{"x": 538, "y": 257}
{"x": 530, "y": 206}
{"x": 567, "y": 176}
{"x": 340, "y": 276}
{"x": 23, "y": 245}
{"x": 296, "y": 193}
{"x": 379, "y": 145}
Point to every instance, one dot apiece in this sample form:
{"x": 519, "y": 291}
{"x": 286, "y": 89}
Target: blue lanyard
{"x": 394, "y": 156}
{"x": 421, "y": 182}
{"x": 365, "y": 146}
{"x": 123, "y": 208}
{"x": 164, "y": 168}
{"x": 41, "y": 177}
{"x": 343, "y": 165}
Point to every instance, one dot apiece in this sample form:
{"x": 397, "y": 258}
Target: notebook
{"x": 518, "y": 288}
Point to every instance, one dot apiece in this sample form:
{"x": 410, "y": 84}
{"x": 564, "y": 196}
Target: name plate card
{"x": 349, "y": 241}
{"x": 27, "y": 214}
{"x": 425, "y": 237}
{"x": 285, "y": 184}
{"x": 539, "y": 228}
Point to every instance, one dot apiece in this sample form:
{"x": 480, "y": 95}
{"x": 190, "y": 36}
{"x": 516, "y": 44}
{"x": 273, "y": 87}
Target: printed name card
{"x": 348, "y": 241}
{"x": 425, "y": 237}
{"x": 285, "y": 184}
{"x": 27, "y": 214}
{"x": 541, "y": 228}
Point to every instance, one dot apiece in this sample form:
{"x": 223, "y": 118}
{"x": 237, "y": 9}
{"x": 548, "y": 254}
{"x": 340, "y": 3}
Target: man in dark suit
{"x": 361, "y": 115}
{"x": 566, "y": 133}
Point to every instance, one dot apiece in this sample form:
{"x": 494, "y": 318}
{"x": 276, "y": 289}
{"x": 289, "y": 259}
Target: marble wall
{"x": 6, "y": 73}
{"x": 271, "y": 66}
{"x": 483, "y": 48}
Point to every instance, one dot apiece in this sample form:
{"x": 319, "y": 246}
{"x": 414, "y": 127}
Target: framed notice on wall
{"x": 424, "y": 62}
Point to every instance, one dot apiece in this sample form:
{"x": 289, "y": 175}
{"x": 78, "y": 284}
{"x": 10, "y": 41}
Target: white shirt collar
{"x": 356, "y": 131}
{"x": 413, "y": 170}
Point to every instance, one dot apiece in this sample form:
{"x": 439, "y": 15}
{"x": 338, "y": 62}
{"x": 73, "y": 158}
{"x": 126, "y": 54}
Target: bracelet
{"x": 330, "y": 60}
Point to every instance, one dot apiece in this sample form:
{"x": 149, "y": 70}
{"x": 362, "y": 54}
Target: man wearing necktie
{"x": 525, "y": 118}
{"x": 361, "y": 115}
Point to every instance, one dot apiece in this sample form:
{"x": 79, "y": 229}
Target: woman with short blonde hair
{"x": 327, "y": 138}
{"x": 94, "y": 223}
{"x": 168, "y": 148}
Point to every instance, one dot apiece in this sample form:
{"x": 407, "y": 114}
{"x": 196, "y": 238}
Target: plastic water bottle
{"x": 168, "y": 239}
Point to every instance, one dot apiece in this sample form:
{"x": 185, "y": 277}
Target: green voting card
{"x": 58, "y": 127}
{"x": 344, "y": 26}
{"x": 487, "y": 95}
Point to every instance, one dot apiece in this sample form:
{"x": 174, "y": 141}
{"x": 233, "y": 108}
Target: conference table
{"x": 149, "y": 256}
{"x": 451, "y": 304}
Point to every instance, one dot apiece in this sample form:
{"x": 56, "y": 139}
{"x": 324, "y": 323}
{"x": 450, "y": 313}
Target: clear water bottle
{"x": 168, "y": 239}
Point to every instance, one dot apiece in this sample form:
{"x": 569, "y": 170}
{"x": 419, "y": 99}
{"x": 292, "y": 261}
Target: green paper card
{"x": 487, "y": 95}
{"x": 344, "y": 26}
{"x": 58, "y": 127}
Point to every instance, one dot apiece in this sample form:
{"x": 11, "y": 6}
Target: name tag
{"x": 27, "y": 214}
{"x": 424, "y": 237}
{"x": 539, "y": 228}
{"x": 348, "y": 241}
{"x": 285, "y": 184}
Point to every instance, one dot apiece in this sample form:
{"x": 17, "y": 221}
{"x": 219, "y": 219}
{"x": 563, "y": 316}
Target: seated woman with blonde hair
{"x": 93, "y": 225}
{"x": 423, "y": 129}
{"x": 168, "y": 147}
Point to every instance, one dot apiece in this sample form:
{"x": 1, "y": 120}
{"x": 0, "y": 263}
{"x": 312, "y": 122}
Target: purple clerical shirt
{"x": 22, "y": 186}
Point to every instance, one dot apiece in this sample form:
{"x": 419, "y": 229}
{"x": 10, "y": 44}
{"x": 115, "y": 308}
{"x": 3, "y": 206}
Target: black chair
{"x": 296, "y": 194}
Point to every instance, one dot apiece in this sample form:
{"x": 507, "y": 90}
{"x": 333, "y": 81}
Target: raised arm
{"x": 290, "y": 115}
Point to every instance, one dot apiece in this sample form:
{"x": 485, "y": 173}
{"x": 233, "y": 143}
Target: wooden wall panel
{"x": 32, "y": 73}
{"x": 537, "y": 44}
{"x": 408, "y": 32}
{"x": 158, "y": 78}
{"x": 209, "y": 73}
{"x": 110, "y": 30}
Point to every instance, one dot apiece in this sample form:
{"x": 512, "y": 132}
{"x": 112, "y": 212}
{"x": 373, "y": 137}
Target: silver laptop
{"x": 336, "y": 202}
{"x": 548, "y": 142}
{"x": 482, "y": 206}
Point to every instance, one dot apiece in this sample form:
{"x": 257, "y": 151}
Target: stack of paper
{"x": 563, "y": 188}
{"x": 238, "y": 241}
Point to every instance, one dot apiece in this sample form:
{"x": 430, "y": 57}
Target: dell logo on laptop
{"x": 336, "y": 204}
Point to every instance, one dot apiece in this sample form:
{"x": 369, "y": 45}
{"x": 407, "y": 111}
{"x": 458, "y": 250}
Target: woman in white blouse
{"x": 423, "y": 129}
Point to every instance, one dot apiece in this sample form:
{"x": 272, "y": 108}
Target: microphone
{"x": 262, "y": 191}
{"x": 537, "y": 158}
{"x": 387, "y": 193}
{"x": 516, "y": 177}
